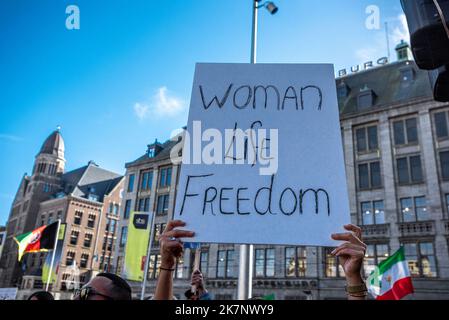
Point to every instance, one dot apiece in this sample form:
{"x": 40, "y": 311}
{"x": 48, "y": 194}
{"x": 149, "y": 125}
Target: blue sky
{"x": 124, "y": 79}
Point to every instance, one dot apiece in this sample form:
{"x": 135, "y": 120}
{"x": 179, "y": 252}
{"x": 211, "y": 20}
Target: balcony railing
{"x": 376, "y": 231}
{"x": 417, "y": 228}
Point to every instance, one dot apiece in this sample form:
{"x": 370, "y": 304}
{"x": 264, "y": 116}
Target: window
{"x": 179, "y": 269}
{"x": 165, "y": 177}
{"x": 146, "y": 180}
{"x": 444, "y": 163}
{"x": 375, "y": 254}
{"x": 153, "y": 267}
{"x": 74, "y": 237}
{"x": 405, "y": 132}
{"x": 131, "y": 182}
{"x": 70, "y": 258}
{"x": 204, "y": 262}
{"x": 158, "y": 229}
{"x": 124, "y": 236}
{"x": 84, "y": 260}
{"x": 87, "y": 240}
{"x": 369, "y": 175}
{"x": 91, "y": 220}
{"x": 50, "y": 218}
{"x": 144, "y": 205}
{"x": 111, "y": 225}
{"x": 46, "y": 188}
{"x": 332, "y": 267}
{"x": 225, "y": 264}
{"x": 162, "y": 204}
{"x": 409, "y": 170}
{"x": 414, "y": 209}
{"x": 421, "y": 259}
{"x": 264, "y": 262}
{"x": 119, "y": 265}
{"x": 59, "y": 215}
{"x": 373, "y": 213}
{"x": 127, "y": 210}
{"x": 441, "y": 125}
{"x": 295, "y": 262}
{"x": 367, "y": 139}
{"x": 115, "y": 210}
{"x": 78, "y": 217}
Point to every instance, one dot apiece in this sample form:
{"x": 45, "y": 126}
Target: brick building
{"x": 87, "y": 200}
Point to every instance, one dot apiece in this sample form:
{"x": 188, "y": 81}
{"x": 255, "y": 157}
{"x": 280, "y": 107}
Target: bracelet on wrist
{"x": 166, "y": 269}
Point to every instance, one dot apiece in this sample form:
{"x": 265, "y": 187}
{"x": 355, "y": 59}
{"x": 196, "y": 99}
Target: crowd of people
{"x": 108, "y": 286}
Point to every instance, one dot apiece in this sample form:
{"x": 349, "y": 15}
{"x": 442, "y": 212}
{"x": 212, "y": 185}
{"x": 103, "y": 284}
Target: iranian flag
{"x": 39, "y": 240}
{"x": 391, "y": 280}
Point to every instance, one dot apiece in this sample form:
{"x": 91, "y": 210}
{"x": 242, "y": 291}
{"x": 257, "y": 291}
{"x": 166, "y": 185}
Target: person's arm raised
{"x": 171, "y": 249}
{"x": 351, "y": 254}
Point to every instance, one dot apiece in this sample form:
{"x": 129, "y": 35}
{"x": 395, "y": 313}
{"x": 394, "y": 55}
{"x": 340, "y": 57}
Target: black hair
{"x": 121, "y": 287}
{"x": 42, "y": 295}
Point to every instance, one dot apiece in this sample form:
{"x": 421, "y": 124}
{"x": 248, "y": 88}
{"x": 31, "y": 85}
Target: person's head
{"x": 105, "y": 286}
{"x": 41, "y": 296}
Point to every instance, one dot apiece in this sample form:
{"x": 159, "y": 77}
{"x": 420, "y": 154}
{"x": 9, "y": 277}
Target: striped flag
{"x": 391, "y": 280}
{"x": 39, "y": 240}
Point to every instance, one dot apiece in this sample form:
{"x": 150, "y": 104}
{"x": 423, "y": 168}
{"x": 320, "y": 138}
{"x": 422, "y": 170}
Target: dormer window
{"x": 366, "y": 98}
{"x": 343, "y": 90}
{"x": 151, "y": 152}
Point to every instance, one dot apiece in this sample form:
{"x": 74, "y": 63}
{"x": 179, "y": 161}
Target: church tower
{"x": 44, "y": 182}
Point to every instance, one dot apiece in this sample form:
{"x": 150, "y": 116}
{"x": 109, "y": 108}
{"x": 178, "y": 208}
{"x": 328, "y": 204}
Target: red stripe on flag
{"x": 401, "y": 288}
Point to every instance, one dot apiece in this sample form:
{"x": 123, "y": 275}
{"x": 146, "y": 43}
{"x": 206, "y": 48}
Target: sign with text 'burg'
{"x": 262, "y": 156}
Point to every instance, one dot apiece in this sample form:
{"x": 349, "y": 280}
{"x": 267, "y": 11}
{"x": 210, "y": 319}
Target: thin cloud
{"x": 10, "y": 137}
{"x": 163, "y": 104}
{"x": 398, "y": 30}
{"x": 141, "y": 110}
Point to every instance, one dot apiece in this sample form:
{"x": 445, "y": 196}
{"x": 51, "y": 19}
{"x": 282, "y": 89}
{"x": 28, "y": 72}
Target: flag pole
{"x": 147, "y": 258}
{"x": 196, "y": 266}
{"x": 47, "y": 286}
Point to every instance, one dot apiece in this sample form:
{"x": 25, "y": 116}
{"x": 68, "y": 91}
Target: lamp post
{"x": 247, "y": 251}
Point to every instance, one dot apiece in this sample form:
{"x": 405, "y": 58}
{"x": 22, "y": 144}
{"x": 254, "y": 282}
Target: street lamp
{"x": 247, "y": 251}
{"x": 271, "y": 7}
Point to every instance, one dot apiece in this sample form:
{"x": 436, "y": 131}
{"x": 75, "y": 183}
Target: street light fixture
{"x": 269, "y": 5}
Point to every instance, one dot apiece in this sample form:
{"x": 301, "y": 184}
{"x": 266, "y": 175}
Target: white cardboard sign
{"x": 280, "y": 179}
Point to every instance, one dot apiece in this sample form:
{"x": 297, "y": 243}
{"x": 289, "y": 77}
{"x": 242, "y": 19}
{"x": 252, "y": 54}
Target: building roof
{"x": 54, "y": 144}
{"x": 163, "y": 154}
{"x": 90, "y": 180}
{"x": 394, "y": 83}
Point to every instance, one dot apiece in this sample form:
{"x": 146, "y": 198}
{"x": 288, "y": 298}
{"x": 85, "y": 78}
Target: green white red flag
{"x": 391, "y": 279}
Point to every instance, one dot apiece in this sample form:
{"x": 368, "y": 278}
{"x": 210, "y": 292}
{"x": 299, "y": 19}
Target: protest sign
{"x": 262, "y": 157}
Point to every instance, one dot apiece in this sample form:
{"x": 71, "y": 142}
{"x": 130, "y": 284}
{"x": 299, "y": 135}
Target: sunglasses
{"x": 86, "y": 292}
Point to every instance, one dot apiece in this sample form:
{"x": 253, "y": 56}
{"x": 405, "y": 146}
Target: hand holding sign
{"x": 171, "y": 246}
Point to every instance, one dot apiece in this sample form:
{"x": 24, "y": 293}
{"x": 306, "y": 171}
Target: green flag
{"x": 137, "y": 245}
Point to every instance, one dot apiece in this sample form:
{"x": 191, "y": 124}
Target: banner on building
{"x": 262, "y": 161}
{"x": 58, "y": 253}
{"x": 137, "y": 245}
